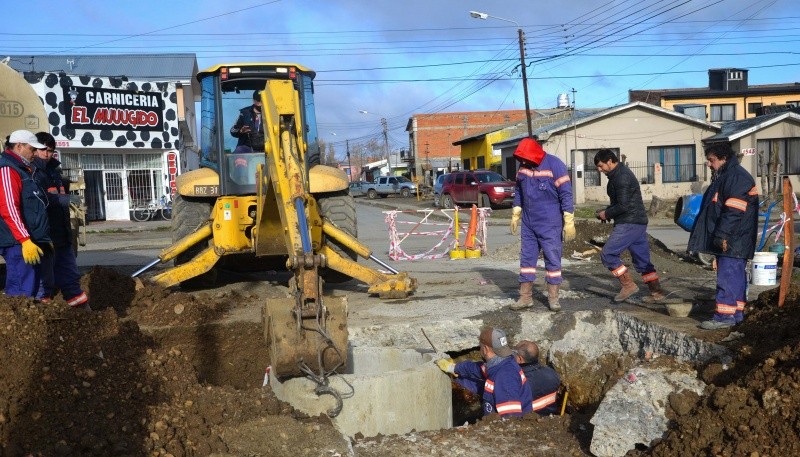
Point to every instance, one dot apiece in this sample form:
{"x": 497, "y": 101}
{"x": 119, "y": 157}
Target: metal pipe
{"x": 145, "y": 268}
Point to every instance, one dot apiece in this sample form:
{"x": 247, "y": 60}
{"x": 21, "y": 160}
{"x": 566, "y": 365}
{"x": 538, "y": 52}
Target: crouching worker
{"x": 505, "y": 389}
{"x": 544, "y": 381}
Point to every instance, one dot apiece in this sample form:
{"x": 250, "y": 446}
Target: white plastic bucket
{"x": 765, "y": 269}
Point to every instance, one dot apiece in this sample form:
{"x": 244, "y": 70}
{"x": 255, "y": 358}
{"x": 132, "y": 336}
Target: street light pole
{"x": 521, "y": 34}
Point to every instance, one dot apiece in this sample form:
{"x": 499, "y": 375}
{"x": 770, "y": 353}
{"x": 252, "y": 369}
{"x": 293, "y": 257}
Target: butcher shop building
{"x": 125, "y": 124}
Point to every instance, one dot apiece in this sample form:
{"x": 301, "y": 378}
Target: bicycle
{"x": 146, "y": 212}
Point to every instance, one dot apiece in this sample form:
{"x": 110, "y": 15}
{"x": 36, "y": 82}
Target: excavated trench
{"x": 394, "y": 390}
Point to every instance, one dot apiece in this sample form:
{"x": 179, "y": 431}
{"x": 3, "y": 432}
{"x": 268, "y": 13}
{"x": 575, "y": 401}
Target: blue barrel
{"x": 686, "y": 210}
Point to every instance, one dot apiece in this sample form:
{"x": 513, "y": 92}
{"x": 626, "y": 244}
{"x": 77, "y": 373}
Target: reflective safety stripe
{"x": 483, "y": 370}
{"x": 716, "y": 194}
{"x": 619, "y": 271}
{"x": 554, "y": 274}
{"x": 509, "y": 407}
{"x": 736, "y": 203}
{"x": 78, "y": 300}
{"x": 528, "y": 270}
{"x": 753, "y": 191}
{"x": 489, "y": 386}
{"x": 525, "y": 171}
{"x": 562, "y": 180}
{"x": 543, "y": 173}
{"x": 650, "y": 277}
{"x": 722, "y": 308}
{"x": 522, "y": 376}
{"x": 543, "y": 402}
{"x": 740, "y": 305}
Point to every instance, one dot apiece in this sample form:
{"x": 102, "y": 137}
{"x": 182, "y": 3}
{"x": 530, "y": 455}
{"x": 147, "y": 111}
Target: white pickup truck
{"x": 390, "y": 185}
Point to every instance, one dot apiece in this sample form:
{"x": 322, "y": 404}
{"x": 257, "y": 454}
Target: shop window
{"x": 723, "y": 113}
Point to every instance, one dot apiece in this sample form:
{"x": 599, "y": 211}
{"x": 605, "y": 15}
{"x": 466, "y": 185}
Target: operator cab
{"x": 227, "y": 104}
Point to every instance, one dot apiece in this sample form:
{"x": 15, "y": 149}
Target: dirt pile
{"x": 752, "y": 404}
{"x": 91, "y": 383}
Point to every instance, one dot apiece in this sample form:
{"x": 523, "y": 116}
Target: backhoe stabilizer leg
{"x": 399, "y": 285}
{"x": 201, "y": 263}
{"x": 179, "y": 247}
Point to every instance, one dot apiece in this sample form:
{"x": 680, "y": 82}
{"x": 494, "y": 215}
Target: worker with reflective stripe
{"x": 626, "y": 208}
{"x": 544, "y": 381}
{"x": 505, "y": 388}
{"x": 726, "y": 227}
{"x": 543, "y": 201}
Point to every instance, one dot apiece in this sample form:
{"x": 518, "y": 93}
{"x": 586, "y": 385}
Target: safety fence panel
{"x": 415, "y": 235}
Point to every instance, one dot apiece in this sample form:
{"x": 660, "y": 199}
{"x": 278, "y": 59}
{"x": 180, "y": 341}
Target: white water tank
{"x": 563, "y": 100}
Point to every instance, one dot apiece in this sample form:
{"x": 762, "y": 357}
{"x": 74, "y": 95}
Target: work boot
{"x": 718, "y": 323}
{"x": 525, "y": 296}
{"x": 552, "y": 297}
{"x": 628, "y": 287}
{"x": 656, "y": 292}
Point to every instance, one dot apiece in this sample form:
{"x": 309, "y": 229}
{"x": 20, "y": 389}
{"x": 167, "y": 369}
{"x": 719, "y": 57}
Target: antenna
{"x": 70, "y": 62}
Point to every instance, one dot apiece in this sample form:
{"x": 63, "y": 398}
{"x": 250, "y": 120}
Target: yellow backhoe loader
{"x": 260, "y": 196}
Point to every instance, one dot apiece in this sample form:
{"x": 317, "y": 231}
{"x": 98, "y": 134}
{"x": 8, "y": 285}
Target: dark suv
{"x": 482, "y": 187}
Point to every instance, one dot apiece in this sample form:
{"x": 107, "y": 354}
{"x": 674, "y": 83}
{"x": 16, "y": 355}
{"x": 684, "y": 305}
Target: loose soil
{"x": 150, "y": 372}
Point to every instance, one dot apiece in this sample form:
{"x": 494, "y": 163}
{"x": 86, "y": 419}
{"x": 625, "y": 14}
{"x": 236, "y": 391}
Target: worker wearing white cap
{"x": 24, "y": 228}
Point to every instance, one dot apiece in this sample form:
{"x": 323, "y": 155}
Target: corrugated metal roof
{"x": 176, "y": 67}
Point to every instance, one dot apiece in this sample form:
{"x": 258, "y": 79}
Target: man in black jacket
{"x": 630, "y": 228}
{"x": 726, "y": 227}
{"x": 544, "y": 381}
{"x": 248, "y": 128}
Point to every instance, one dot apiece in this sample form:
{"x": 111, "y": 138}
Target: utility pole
{"x": 525, "y": 80}
{"x": 349, "y": 164}
{"x": 386, "y": 143}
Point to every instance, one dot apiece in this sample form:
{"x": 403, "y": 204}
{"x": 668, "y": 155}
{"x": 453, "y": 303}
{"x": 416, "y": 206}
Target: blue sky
{"x": 399, "y": 58}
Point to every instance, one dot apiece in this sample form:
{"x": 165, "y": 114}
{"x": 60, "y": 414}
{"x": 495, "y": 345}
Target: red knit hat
{"x": 530, "y": 150}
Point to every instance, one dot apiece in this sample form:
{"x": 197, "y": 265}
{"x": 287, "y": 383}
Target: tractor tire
{"x": 339, "y": 208}
{"x": 189, "y": 213}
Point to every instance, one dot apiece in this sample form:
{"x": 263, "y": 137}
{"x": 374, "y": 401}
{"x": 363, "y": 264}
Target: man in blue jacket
{"x": 544, "y": 381}
{"x": 505, "y": 388}
{"x": 726, "y": 227}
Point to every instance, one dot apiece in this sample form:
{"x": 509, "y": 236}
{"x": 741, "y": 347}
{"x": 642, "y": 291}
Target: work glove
{"x": 569, "y": 226}
{"x": 516, "y": 214}
{"x": 446, "y": 365}
{"x": 31, "y": 253}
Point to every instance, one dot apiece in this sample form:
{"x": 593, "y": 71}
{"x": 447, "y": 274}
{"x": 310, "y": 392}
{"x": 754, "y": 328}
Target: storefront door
{"x": 116, "y": 206}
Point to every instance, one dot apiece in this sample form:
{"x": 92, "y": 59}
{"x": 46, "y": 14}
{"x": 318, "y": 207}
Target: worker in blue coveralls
{"x": 544, "y": 380}
{"x": 726, "y": 227}
{"x": 543, "y": 201}
{"x": 59, "y": 269}
{"x": 630, "y": 228}
{"x": 505, "y": 390}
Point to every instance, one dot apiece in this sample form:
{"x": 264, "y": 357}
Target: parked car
{"x": 484, "y": 188}
{"x": 437, "y": 189}
{"x": 357, "y": 189}
{"x": 390, "y": 185}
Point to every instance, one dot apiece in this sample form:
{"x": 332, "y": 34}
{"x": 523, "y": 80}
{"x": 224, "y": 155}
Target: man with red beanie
{"x": 543, "y": 201}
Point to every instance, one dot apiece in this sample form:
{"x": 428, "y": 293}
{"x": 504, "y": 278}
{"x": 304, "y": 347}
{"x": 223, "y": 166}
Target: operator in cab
{"x": 248, "y": 127}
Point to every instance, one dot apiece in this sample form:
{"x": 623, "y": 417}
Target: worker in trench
{"x": 726, "y": 227}
{"x": 499, "y": 380}
{"x": 544, "y": 380}
{"x": 543, "y": 203}
{"x": 627, "y": 211}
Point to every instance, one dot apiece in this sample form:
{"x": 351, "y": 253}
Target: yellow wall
{"x": 483, "y": 148}
{"x": 740, "y": 102}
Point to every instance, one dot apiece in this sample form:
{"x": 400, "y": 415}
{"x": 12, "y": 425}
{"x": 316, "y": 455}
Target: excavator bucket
{"x": 313, "y": 342}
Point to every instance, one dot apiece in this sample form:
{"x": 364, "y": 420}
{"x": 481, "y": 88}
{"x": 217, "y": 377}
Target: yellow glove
{"x": 516, "y": 214}
{"x": 446, "y": 365}
{"x": 569, "y": 226}
{"x": 31, "y": 253}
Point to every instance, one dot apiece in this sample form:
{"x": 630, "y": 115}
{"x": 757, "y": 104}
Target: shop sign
{"x": 90, "y": 108}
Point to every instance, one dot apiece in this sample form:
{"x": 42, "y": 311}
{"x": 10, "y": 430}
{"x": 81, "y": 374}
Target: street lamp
{"x": 484, "y": 16}
{"x": 384, "y": 124}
